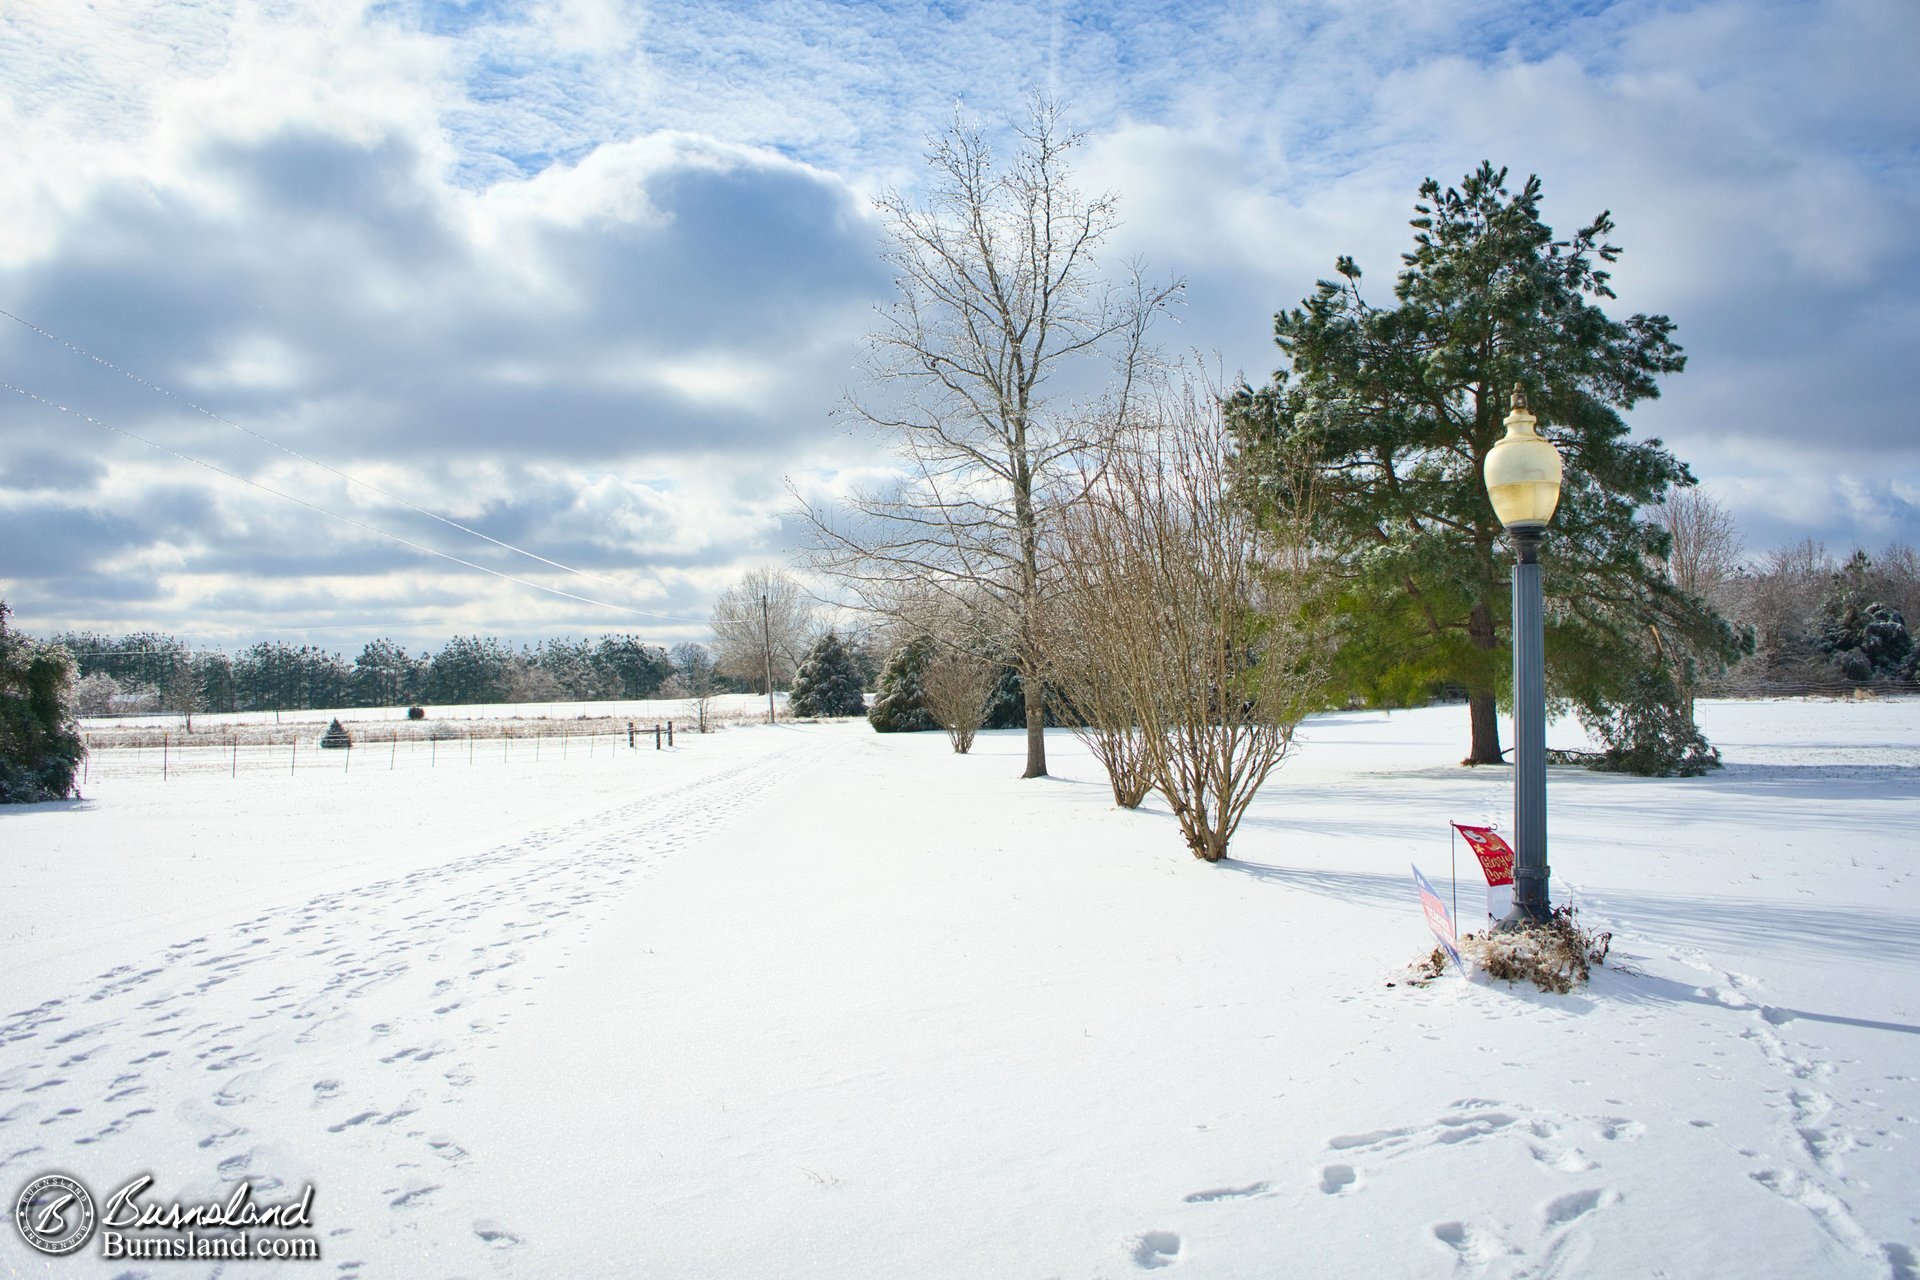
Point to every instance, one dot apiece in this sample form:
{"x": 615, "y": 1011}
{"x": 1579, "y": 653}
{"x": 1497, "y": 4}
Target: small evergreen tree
{"x": 899, "y": 704}
{"x": 1007, "y": 705}
{"x": 828, "y": 682}
{"x": 40, "y": 744}
{"x": 336, "y": 736}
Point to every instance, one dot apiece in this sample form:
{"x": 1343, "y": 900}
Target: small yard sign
{"x": 1496, "y": 862}
{"x": 1437, "y": 919}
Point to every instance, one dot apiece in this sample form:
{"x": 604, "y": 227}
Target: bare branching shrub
{"x": 957, "y": 686}
{"x": 1093, "y": 702}
{"x": 1195, "y": 607}
{"x": 1084, "y": 643}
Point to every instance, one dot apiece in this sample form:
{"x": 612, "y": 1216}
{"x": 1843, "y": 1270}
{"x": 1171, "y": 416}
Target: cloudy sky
{"x": 589, "y": 277}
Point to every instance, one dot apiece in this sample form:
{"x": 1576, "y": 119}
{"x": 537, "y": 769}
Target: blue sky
{"x": 591, "y": 276}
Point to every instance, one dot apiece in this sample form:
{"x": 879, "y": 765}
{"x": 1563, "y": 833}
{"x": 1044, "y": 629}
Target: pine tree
{"x": 828, "y": 682}
{"x": 1397, "y": 409}
{"x": 899, "y": 704}
{"x": 40, "y": 744}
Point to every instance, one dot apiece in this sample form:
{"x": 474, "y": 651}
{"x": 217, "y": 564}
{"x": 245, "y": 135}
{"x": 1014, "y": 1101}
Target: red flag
{"x": 1496, "y": 859}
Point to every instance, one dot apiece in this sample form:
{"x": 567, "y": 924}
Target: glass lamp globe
{"x": 1523, "y": 471}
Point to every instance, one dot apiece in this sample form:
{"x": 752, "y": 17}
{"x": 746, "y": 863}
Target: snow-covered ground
{"x": 812, "y": 1002}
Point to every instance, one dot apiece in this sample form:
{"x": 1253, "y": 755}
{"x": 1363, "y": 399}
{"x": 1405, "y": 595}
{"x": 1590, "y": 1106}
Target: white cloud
{"x": 591, "y": 275}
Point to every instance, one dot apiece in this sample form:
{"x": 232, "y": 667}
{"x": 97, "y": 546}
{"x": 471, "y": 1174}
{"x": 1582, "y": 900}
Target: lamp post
{"x": 1523, "y": 480}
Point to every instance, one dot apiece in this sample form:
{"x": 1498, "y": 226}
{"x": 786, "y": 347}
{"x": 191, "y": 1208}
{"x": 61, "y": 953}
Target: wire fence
{"x": 1766, "y": 688}
{"x": 231, "y": 755}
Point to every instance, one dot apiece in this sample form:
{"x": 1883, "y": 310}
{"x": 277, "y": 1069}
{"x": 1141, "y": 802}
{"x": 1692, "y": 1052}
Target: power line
{"x": 291, "y": 452}
{"x": 314, "y": 506}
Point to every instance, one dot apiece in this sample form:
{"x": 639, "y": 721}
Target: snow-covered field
{"x": 726, "y": 708}
{"x": 806, "y": 1001}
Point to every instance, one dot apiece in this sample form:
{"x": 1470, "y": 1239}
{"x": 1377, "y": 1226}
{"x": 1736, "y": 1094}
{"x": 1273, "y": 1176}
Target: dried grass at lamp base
{"x": 1555, "y": 956}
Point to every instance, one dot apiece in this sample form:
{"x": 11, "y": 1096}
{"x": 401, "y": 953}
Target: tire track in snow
{"x": 336, "y": 1033}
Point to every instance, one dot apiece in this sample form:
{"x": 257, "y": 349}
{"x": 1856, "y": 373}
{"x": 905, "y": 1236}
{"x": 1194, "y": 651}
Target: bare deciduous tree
{"x": 694, "y": 679}
{"x": 1201, "y": 608}
{"x": 181, "y": 693}
{"x": 1000, "y": 296}
{"x": 1896, "y": 580}
{"x": 1703, "y": 559}
{"x": 1706, "y": 545}
{"x": 750, "y": 636}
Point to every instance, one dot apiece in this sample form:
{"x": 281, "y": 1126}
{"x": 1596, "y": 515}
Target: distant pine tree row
{"x": 152, "y": 671}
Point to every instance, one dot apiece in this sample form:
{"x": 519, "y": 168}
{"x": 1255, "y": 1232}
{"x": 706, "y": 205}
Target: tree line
{"x": 1813, "y": 621}
{"x": 153, "y": 671}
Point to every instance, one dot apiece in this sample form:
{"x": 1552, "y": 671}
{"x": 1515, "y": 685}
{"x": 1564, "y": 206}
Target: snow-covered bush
{"x": 828, "y": 682}
{"x": 40, "y": 745}
{"x": 336, "y": 736}
{"x": 1868, "y": 641}
{"x": 96, "y": 695}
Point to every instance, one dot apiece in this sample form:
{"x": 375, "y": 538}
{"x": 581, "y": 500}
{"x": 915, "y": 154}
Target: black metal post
{"x": 1530, "y": 872}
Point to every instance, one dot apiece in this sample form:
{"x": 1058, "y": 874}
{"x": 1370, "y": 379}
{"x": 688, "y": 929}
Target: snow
{"x": 809, "y": 1001}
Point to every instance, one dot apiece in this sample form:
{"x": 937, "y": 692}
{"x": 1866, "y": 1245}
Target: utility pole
{"x": 766, "y": 641}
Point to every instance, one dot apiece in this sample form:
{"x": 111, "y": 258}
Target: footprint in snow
{"x": 1561, "y": 1210}
{"x": 1152, "y": 1250}
{"x": 1472, "y": 1243}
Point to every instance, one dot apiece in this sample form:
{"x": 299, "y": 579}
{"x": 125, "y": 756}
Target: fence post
{"x": 669, "y": 733}
{"x": 656, "y": 737}
{"x": 234, "y": 770}
{"x": 294, "y": 757}
{"x": 393, "y": 750}
{"x": 164, "y": 739}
